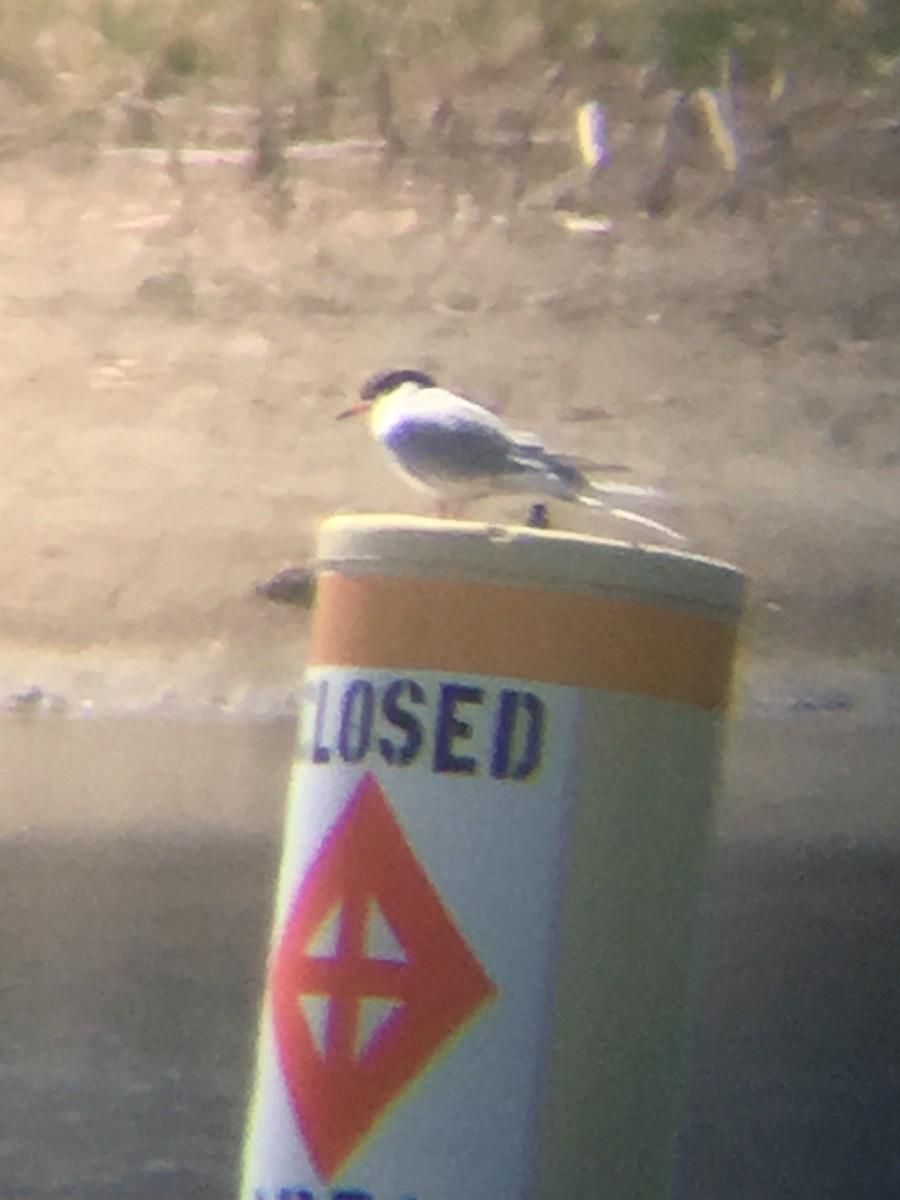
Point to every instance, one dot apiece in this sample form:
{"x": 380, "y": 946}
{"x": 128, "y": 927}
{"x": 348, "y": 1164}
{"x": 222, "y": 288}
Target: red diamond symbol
{"x": 369, "y": 980}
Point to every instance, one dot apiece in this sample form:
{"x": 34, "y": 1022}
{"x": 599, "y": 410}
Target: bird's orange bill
{"x": 355, "y": 409}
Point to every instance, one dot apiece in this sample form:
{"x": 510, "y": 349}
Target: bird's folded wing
{"x": 589, "y": 465}
{"x": 531, "y": 446}
{"x": 452, "y": 449}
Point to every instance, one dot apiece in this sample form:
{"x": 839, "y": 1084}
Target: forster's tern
{"x": 460, "y": 452}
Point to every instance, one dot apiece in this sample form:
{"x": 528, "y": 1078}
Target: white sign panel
{"x": 404, "y": 1030}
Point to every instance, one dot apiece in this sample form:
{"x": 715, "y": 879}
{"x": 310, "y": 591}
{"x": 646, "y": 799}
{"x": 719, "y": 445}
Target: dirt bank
{"x": 173, "y": 361}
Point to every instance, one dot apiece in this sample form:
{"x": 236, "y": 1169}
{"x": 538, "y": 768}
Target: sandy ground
{"x": 174, "y": 360}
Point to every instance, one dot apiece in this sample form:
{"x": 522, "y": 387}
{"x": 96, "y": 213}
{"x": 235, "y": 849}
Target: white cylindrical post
{"x": 480, "y": 969}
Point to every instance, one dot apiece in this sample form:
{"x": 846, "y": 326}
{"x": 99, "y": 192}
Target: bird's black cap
{"x": 385, "y": 381}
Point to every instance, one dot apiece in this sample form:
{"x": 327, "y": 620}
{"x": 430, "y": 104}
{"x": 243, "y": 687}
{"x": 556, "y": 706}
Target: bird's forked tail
{"x": 595, "y": 496}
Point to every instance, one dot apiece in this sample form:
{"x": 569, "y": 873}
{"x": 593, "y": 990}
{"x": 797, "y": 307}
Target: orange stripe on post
{"x": 572, "y": 638}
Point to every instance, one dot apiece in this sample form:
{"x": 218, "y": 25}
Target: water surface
{"x": 137, "y": 861}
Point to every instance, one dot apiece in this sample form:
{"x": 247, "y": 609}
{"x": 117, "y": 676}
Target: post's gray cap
{"x": 512, "y": 555}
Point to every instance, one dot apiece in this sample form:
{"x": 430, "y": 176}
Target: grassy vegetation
{"x": 78, "y": 53}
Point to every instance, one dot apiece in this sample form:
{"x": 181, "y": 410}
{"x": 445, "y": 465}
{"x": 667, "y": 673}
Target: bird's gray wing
{"x": 531, "y": 447}
{"x": 532, "y": 456}
{"x": 588, "y": 465}
{"x": 568, "y": 474}
{"x": 453, "y": 449}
